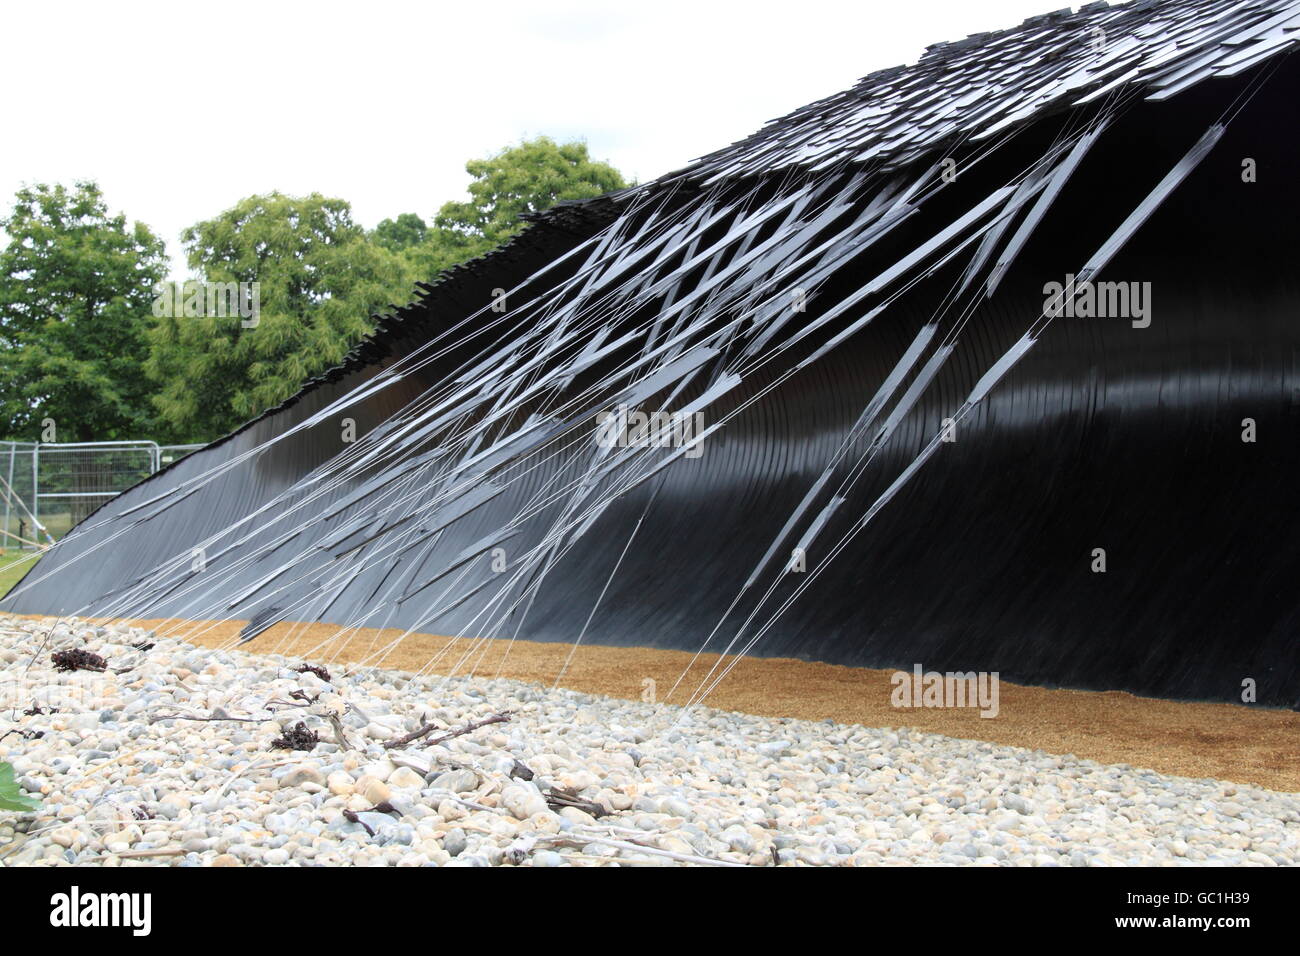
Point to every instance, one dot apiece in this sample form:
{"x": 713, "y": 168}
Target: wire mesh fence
{"x": 48, "y": 487}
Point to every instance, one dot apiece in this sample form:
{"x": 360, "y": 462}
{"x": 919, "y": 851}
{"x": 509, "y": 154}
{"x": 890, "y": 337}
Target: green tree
{"x": 76, "y": 285}
{"x": 522, "y": 179}
{"x": 319, "y": 279}
{"x": 527, "y": 178}
{"x": 402, "y": 233}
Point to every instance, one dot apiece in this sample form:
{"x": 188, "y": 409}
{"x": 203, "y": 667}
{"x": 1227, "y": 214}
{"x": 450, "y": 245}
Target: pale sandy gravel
{"x": 734, "y": 787}
{"x": 1224, "y": 741}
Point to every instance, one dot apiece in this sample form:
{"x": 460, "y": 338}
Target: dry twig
{"x": 430, "y": 728}
{"x": 579, "y": 840}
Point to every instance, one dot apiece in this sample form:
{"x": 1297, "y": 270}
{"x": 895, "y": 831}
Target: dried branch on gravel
{"x": 299, "y": 699}
{"x": 24, "y": 734}
{"x": 340, "y": 737}
{"x": 219, "y": 714}
{"x": 558, "y": 798}
{"x": 139, "y": 854}
{"x": 579, "y": 840}
{"x": 430, "y": 728}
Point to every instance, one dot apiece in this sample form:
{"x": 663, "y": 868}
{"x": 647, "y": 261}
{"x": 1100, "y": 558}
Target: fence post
{"x": 13, "y": 447}
{"x": 36, "y": 495}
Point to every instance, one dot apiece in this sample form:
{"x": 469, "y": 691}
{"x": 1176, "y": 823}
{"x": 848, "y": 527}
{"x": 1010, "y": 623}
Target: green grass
{"x": 13, "y": 565}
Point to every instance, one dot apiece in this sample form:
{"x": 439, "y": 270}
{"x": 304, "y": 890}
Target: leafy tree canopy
{"x": 405, "y": 231}
{"x": 318, "y": 281}
{"x": 91, "y": 337}
{"x": 76, "y": 284}
{"x": 527, "y": 178}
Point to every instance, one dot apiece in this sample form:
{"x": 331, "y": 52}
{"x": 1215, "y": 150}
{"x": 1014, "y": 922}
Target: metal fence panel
{"x": 18, "y": 468}
{"x": 46, "y": 488}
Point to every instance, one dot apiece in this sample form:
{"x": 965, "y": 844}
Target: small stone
{"x": 523, "y": 801}
{"x": 450, "y": 810}
{"x": 457, "y": 781}
{"x": 298, "y": 775}
{"x": 455, "y": 842}
{"x": 675, "y": 806}
{"x": 738, "y": 839}
{"x": 379, "y": 769}
{"x": 373, "y": 789}
{"x": 405, "y": 778}
{"x": 1017, "y": 803}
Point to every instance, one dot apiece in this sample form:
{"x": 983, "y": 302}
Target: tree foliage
{"x": 83, "y": 342}
{"x": 402, "y": 233}
{"x": 76, "y": 284}
{"x": 319, "y": 279}
{"x": 523, "y": 179}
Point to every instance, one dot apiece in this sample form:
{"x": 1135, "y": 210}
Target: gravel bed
{"x": 567, "y": 779}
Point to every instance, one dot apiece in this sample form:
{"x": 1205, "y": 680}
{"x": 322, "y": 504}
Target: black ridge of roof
{"x": 893, "y": 116}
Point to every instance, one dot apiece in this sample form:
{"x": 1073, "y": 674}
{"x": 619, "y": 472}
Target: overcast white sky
{"x": 181, "y": 109}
